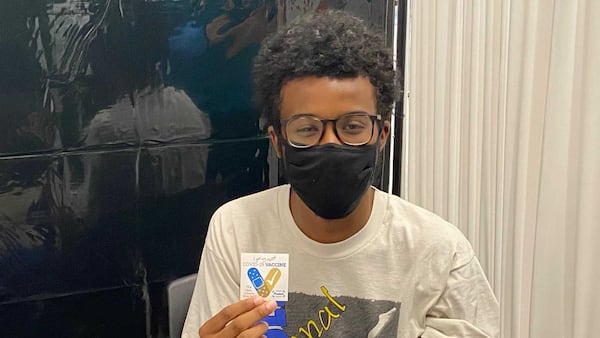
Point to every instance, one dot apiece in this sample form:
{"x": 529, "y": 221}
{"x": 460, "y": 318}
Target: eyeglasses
{"x": 306, "y": 130}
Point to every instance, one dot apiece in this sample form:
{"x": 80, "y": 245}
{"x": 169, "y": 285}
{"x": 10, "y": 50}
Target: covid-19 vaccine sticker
{"x": 264, "y": 274}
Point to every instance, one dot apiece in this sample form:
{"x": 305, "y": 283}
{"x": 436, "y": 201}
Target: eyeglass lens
{"x": 351, "y": 129}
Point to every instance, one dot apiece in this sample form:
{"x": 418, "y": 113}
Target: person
{"x": 362, "y": 263}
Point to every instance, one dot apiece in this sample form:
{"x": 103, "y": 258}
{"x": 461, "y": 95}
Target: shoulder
{"x": 406, "y": 214}
{"x": 253, "y": 204}
{"x": 426, "y": 230}
{"x": 250, "y": 213}
{"x": 248, "y": 220}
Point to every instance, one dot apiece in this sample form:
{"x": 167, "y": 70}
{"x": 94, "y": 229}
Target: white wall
{"x": 502, "y": 138}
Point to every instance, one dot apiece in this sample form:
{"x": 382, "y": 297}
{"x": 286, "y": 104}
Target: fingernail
{"x": 271, "y": 305}
{"x": 258, "y": 300}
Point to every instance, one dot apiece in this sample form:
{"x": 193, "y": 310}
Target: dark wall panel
{"x": 29, "y": 240}
{"x": 109, "y": 313}
{"x": 124, "y": 124}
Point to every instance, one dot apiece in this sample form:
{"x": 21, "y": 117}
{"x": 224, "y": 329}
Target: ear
{"x": 383, "y": 136}
{"x": 275, "y": 141}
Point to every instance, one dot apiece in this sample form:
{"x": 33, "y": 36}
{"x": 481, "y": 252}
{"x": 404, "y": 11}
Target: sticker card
{"x": 264, "y": 274}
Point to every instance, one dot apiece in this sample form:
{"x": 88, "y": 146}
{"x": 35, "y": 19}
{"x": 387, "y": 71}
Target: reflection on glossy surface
{"x": 98, "y": 221}
{"x": 90, "y": 73}
{"x": 123, "y": 125}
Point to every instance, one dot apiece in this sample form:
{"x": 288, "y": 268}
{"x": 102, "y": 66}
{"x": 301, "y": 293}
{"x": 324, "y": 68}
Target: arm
{"x": 214, "y": 290}
{"x": 466, "y": 308}
{"x": 215, "y": 309}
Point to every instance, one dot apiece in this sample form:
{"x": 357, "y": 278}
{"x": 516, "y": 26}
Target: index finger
{"x": 249, "y": 320}
{"x": 229, "y": 313}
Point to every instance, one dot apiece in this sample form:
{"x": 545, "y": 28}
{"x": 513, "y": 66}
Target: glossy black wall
{"x": 123, "y": 125}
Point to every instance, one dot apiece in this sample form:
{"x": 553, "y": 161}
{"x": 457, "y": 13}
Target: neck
{"x": 331, "y": 230}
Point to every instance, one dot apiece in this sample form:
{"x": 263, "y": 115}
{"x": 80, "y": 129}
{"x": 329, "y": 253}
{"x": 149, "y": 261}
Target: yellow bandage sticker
{"x": 269, "y": 284}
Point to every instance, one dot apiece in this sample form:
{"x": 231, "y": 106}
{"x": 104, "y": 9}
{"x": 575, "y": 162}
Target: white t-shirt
{"x": 406, "y": 273}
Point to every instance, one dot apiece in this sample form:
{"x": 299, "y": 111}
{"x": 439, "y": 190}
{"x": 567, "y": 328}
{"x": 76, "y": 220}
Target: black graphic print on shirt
{"x": 308, "y": 316}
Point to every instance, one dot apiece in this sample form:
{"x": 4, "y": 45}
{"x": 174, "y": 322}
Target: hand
{"x": 239, "y": 320}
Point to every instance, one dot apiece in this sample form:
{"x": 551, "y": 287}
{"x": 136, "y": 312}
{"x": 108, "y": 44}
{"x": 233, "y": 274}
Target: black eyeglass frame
{"x": 375, "y": 119}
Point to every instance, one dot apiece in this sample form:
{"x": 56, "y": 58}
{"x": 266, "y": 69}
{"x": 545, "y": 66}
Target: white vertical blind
{"x": 502, "y": 138}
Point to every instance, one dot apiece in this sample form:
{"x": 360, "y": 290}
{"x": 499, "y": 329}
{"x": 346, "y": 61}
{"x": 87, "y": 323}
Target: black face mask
{"x": 331, "y": 179}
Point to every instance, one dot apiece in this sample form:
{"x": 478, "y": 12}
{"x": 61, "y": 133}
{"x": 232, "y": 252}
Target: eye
{"x": 354, "y": 127}
{"x": 306, "y": 129}
{"x": 304, "y": 126}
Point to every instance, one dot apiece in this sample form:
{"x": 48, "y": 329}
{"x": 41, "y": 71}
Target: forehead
{"x": 327, "y": 97}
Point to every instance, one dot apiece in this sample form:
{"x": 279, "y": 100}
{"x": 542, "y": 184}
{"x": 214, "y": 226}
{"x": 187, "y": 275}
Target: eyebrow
{"x": 317, "y": 116}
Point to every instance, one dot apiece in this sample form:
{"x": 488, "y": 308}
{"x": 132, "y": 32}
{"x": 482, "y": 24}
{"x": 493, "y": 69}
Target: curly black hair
{"x": 326, "y": 44}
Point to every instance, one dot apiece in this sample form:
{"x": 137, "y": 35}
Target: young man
{"x": 362, "y": 263}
